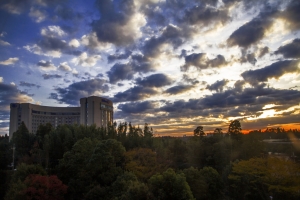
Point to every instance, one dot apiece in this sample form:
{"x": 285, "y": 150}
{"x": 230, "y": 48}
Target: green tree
{"x": 142, "y": 162}
{"x": 258, "y": 178}
{"x": 196, "y": 182}
{"x": 170, "y": 185}
{"x": 23, "y": 142}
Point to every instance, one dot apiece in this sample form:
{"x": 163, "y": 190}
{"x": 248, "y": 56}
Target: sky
{"x": 174, "y": 64}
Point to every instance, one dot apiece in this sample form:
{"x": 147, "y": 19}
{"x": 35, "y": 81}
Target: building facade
{"x": 92, "y": 110}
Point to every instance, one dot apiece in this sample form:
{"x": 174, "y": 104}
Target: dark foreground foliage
{"x": 126, "y": 162}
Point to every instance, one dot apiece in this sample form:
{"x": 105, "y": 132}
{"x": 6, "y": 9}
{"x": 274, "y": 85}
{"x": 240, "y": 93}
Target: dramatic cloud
{"x": 291, "y": 50}
{"x": 251, "y": 101}
{"x": 178, "y": 89}
{"x": 155, "y": 80}
{"x": 171, "y": 35}
{"x": 9, "y": 61}
{"x": 251, "y": 32}
{"x": 218, "y": 86}
{"x": 11, "y": 94}
{"x": 75, "y": 91}
{"x": 120, "y": 72}
{"x": 205, "y": 16}
{"x": 274, "y": 70}
{"x": 292, "y": 15}
{"x": 137, "y": 107}
{"x": 119, "y": 22}
{"x": 46, "y": 65}
{"x": 134, "y": 94}
{"x": 200, "y": 61}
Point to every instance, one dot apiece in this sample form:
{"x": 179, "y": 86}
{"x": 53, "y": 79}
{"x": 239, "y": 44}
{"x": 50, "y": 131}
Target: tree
{"x": 170, "y": 185}
{"x": 198, "y": 132}
{"x": 44, "y": 187}
{"x": 196, "y": 182}
{"x": 17, "y": 184}
{"x": 72, "y": 168}
{"x": 258, "y": 178}
{"x": 142, "y": 162}
{"x": 23, "y": 142}
{"x": 234, "y": 129}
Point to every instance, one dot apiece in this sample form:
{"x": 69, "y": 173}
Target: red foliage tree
{"x": 44, "y": 188}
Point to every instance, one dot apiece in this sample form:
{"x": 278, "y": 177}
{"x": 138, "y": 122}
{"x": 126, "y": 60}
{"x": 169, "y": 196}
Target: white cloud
{"x": 1, "y": 79}
{"x": 74, "y": 71}
{"x": 85, "y": 60}
{"x": 37, "y": 15}
{"x": 52, "y": 31}
{"x": 74, "y": 43}
{"x": 46, "y": 65}
{"x": 64, "y": 67}
{"x": 37, "y": 50}
{"x": 9, "y": 61}
{"x": 12, "y": 83}
{"x": 92, "y": 42}
{"x": 3, "y": 43}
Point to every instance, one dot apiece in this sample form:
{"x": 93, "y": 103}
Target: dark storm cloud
{"x": 251, "y": 32}
{"x": 136, "y": 107}
{"x": 25, "y": 84}
{"x": 205, "y": 15}
{"x": 155, "y": 80}
{"x": 292, "y": 14}
{"x": 141, "y": 63}
{"x": 200, "y": 61}
{"x": 291, "y": 50}
{"x": 134, "y": 94}
{"x": 137, "y": 64}
{"x": 75, "y": 91}
{"x": 274, "y": 70}
{"x": 170, "y": 35}
{"x": 178, "y": 89}
{"x": 51, "y": 43}
{"x": 51, "y": 76}
{"x": 247, "y": 102}
{"x": 120, "y": 72}
{"x": 218, "y": 85}
{"x": 114, "y": 17}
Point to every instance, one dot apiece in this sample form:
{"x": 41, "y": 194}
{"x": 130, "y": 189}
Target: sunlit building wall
{"x": 92, "y": 110}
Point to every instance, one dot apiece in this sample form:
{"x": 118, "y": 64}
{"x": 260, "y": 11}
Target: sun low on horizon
{"x": 174, "y": 65}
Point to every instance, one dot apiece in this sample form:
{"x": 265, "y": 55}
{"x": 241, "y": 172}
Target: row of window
{"x": 55, "y": 113}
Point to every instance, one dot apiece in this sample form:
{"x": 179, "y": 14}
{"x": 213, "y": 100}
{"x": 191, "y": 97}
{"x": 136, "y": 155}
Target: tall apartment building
{"x": 92, "y": 110}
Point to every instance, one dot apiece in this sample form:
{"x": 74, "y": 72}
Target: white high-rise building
{"x": 92, "y": 110}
